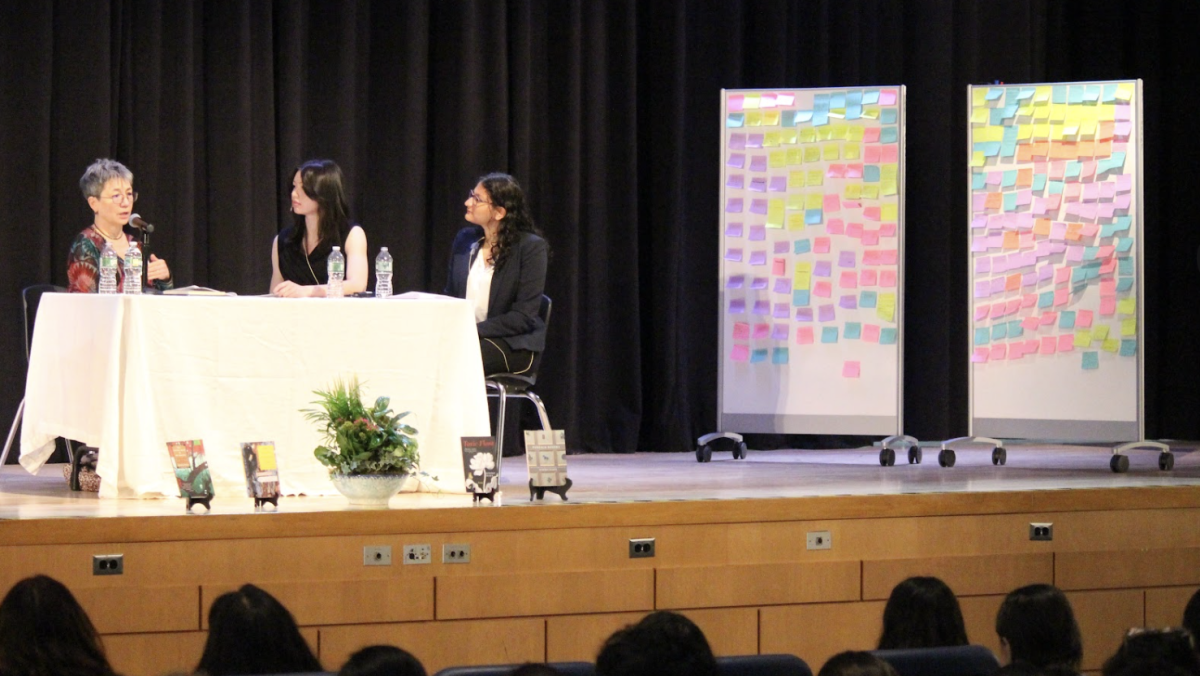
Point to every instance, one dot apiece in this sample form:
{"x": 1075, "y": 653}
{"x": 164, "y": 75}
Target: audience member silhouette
{"x": 856, "y": 663}
{"x": 1037, "y": 626}
{"x": 382, "y": 660}
{"x": 250, "y": 632}
{"x": 662, "y": 644}
{"x": 1154, "y": 651}
{"x": 922, "y": 612}
{"x": 45, "y": 632}
{"x": 1191, "y": 617}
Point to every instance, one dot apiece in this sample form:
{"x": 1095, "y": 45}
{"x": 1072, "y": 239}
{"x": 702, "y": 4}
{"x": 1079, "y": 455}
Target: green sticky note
{"x": 1066, "y": 319}
{"x": 800, "y": 298}
{"x": 801, "y": 246}
{"x": 999, "y": 331}
{"x": 853, "y": 331}
{"x": 887, "y": 336}
{"x": 866, "y": 299}
{"x": 1128, "y": 348}
{"x": 982, "y": 335}
{"x": 758, "y": 356}
{"x": 779, "y": 355}
{"x": 1091, "y": 360}
{"x": 1015, "y": 330}
{"x": 829, "y": 334}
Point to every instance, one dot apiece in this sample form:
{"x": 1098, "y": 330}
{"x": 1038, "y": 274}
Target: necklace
{"x": 105, "y": 235}
{"x": 307, "y": 262}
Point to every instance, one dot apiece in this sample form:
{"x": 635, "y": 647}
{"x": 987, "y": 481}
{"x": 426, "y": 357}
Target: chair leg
{"x": 500, "y": 406}
{"x": 12, "y": 433}
{"x": 541, "y": 409}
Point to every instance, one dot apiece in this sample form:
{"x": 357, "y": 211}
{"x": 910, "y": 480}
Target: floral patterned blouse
{"x": 83, "y": 263}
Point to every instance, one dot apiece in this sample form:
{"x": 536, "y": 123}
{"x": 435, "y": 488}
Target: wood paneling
{"x": 155, "y": 654}
{"x": 524, "y": 594}
{"x": 1124, "y": 569}
{"x": 115, "y": 610}
{"x": 966, "y": 575}
{"x": 1164, "y": 606}
{"x": 1104, "y": 617}
{"x": 979, "y": 615}
{"x": 318, "y": 602}
{"x": 732, "y": 631}
{"x": 442, "y": 644}
{"x": 769, "y": 584}
{"x": 819, "y": 631}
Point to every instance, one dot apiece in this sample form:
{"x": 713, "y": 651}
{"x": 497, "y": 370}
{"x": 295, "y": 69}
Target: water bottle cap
{"x": 382, "y": 249}
{"x": 337, "y": 248}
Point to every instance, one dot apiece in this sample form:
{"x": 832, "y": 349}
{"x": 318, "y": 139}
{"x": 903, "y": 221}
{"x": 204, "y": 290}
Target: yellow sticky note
{"x": 813, "y": 200}
{"x": 1088, "y": 128}
{"x": 887, "y": 187}
{"x": 795, "y": 180}
{"x": 831, "y": 152}
{"x": 775, "y": 213}
{"x": 808, "y": 135}
{"x": 1041, "y": 131}
{"x": 795, "y": 222}
{"x": 1100, "y": 332}
{"x": 1128, "y": 327}
{"x": 753, "y": 118}
{"x": 816, "y": 178}
{"x": 1124, "y": 91}
{"x": 979, "y": 116}
{"x": 851, "y": 151}
{"x": 853, "y": 191}
{"x": 838, "y": 113}
{"x": 855, "y": 134}
{"x": 977, "y": 159}
{"x": 1083, "y": 338}
{"x": 1041, "y": 95}
{"x": 770, "y": 139}
{"x": 795, "y": 157}
{"x": 1106, "y": 112}
{"x": 1025, "y": 132}
{"x": 770, "y": 118}
{"x": 825, "y": 133}
{"x": 750, "y": 102}
{"x": 840, "y": 132}
{"x": 795, "y": 202}
{"x": 889, "y": 211}
{"x": 1058, "y": 112}
{"x": 1041, "y": 112}
{"x": 870, "y": 112}
{"x": 777, "y": 159}
{"x": 812, "y": 154}
{"x": 1112, "y": 345}
{"x": 870, "y": 191}
{"x": 1126, "y": 306}
{"x": 979, "y": 96}
{"x": 788, "y": 137}
{"x": 889, "y": 171}
{"x": 1025, "y": 110}
{"x": 885, "y": 307}
{"x": 803, "y": 275}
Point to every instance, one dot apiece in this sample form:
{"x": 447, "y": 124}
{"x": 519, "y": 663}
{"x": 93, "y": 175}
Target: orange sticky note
{"x": 1041, "y": 227}
{"x": 1012, "y": 239}
{"x": 995, "y": 200}
{"x": 1012, "y": 282}
{"x": 1087, "y": 149}
{"x": 1025, "y": 152}
{"x": 1040, "y": 148}
{"x": 1025, "y": 177}
{"x": 1073, "y": 231}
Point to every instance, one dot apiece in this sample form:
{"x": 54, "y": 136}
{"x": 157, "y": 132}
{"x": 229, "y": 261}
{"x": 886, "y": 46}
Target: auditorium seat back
{"x": 965, "y": 660}
{"x": 762, "y": 665}
{"x": 566, "y": 668}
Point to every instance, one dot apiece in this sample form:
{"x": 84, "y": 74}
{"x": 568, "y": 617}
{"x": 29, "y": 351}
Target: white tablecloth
{"x": 130, "y": 373}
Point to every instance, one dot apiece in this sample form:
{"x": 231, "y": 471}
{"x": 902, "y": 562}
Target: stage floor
{"x": 677, "y": 477}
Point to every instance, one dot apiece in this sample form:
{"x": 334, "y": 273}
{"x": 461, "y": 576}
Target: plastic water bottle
{"x": 383, "y": 274}
{"x": 336, "y": 267}
{"x": 108, "y": 269}
{"x": 133, "y": 270}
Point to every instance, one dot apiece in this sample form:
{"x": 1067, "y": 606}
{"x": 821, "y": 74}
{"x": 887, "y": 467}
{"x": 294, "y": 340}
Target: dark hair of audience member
{"x": 662, "y": 644}
{"x": 1019, "y": 669}
{"x": 1191, "y": 616}
{"x": 44, "y": 631}
{"x": 856, "y": 663}
{"x": 382, "y": 660}
{"x": 1154, "y": 651}
{"x": 535, "y": 669}
{"x": 1037, "y": 626}
{"x": 922, "y": 612}
{"x": 250, "y": 632}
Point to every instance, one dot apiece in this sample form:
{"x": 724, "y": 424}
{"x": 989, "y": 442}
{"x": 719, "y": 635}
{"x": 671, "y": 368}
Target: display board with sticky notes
{"x": 811, "y": 255}
{"x": 1055, "y": 260}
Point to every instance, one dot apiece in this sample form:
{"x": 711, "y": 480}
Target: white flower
{"x": 481, "y": 462}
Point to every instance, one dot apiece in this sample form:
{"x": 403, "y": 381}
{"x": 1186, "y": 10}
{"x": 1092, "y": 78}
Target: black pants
{"x": 498, "y": 357}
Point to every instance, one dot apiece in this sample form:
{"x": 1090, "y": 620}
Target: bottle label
{"x": 383, "y": 267}
{"x": 336, "y": 266}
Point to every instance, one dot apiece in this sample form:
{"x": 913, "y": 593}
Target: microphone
{"x": 138, "y": 222}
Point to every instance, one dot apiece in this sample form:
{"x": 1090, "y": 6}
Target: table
{"x": 129, "y": 373}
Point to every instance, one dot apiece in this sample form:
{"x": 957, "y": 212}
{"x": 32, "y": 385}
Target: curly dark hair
{"x": 323, "y": 183}
{"x": 504, "y": 191}
{"x": 44, "y": 630}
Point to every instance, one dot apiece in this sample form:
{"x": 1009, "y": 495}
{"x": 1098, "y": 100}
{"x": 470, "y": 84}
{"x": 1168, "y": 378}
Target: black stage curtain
{"x": 608, "y": 113}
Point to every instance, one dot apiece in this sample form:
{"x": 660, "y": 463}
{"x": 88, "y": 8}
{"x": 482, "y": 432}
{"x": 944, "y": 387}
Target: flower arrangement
{"x": 361, "y": 440}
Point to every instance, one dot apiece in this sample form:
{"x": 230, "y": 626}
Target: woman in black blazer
{"x": 499, "y": 264}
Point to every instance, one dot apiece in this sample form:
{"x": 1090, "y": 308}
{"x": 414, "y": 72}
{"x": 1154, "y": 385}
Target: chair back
{"x": 565, "y": 668}
{"x": 544, "y": 313}
{"x": 31, "y": 296}
{"x": 963, "y": 660}
{"x": 762, "y": 665}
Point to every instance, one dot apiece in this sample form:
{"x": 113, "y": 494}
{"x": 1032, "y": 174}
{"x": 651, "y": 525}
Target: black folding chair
{"x": 519, "y": 385}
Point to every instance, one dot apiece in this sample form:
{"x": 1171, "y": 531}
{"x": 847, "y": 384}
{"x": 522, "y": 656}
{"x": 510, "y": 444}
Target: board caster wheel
{"x": 704, "y": 454}
{"x": 1119, "y": 464}
{"x": 914, "y": 455}
{"x": 946, "y": 458}
{"x": 887, "y": 457}
{"x": 999, "y": 456}
{"x": 739, "y": 451}
{"x": 1166, "y": 462}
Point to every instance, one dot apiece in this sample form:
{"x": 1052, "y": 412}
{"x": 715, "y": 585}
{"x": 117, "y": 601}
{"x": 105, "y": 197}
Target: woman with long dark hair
{"x": 922, "y": 612}
{"x": 499, "y": 265}
{"x": 45, "y": 632}
{"x": 299, "y": 253}
{"x": 250, "y": 632}
{"x": 1037, "y": 626}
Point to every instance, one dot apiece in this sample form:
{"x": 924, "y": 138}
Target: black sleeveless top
{"x": 292, "y": 264}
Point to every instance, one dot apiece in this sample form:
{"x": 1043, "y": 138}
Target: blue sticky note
{"x": 1058, "y": 94}
{"x": 867, "y": 299}
{"x": 800, "y": 297}
{"x": 854, "y": 97}
{"x": 1010, "y": 201}
{"x": 1110, "y": 93}
{"x": 1125, "y": 266}
{"x": 1123, "y": 222}
{"x": 1108, "y": 229}
{"x": 1075, "y": 94}
{"x": 1010, "y": 134}
{"x": 758, "y": 356}
{"x": 1008, "y": 149}
{"x": 887, "y": 336}
{"x": 829, "y": 334}
{"x": 1089, "y": 252}
{"x": 1124, "y": 244}
{"x": 801, "y": 246}
{"x": 1045, "y": 299}
{"x": 804, "y": 116}
{"x": 996, "y": 117}
{"x": 995, "y": 93}
{"x": 888, "y": 135}
{"x": 821, "y": 102}
{"x": 1008, "y": 178}
{"x": 779, "y": 355}
{"x": 1056, "y": 187}
{"x": 870, "y": 97}
{"x": 1078, "y": 275}
{"x": 1124, "y": 284}
{"x": 999, "y": 331}
{"x": 982, "y": 335}
{"x": 1010, "y": 109}
{"x": 820, "y": 118}
{"x": 1066, "y": 319}
{"x": 1015, "y": 330}
{"x": 871, "y": 173}
{"x": 1091, "y": 360}
{"x": 837, "y": 100}
{"x": 814, "y": 216}
{"x": 978, "y": 181}
{"x": 853, "y": 331}
{"x": 1039, "y": 182}
{"x": 735, "y": 120}
{"x": 989, "y": 148}
{"x": 854, "y": 111}
{"x": 1128, "y": 347}
{"x": 887, "y": 116}
{"x": 788, "y": 118}
{"x": 1073, "y": 168}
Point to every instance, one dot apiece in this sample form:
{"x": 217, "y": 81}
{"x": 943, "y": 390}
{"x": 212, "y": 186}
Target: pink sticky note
{"x": 981, "y": 312}
{"x": 1049, "y": 318}
{"x": 820, "y": 245}
{"x": 779, "y": 267}
{"x": 870, "y": 237}
{"x": 999, "y": 352}
{"x": 1083, "y": 319}
{"x": 1048, "y": 345}
{"x": 740, "y": 353}
{"x": 887, "y": 230}
{"x": 823, "y": 289}
{"x": 854, "y": 230}
{"x": 735, "y": 102}
{"x": 1016, "y": 350}
{"x": 1062, "y": 275}
{"x": 887, "y": 278}
{"x": 868, "y": 278}
{"x": 851, "y": 369}
{"x": 871, "y": 154}
{"x": 836, "y": 171}
{"x": 835, "y": 226}
{"x": 870, "y": 333}
{"x": 979, "y": 355}
{"x": 804, "y": 335}
{"x": 848, "y": 280}
{"x": 871, "y": 257}
{"x": 762, "y": 330}
{"x": 888, "y": 256}
{"x": 1029, "y": 300}
{"x": 832, "y": 203}
{"x": 741, "y": 331}
{"x": 997, "y": 310}
{"x": 887, "y": 97}
{"x": 1030, "y": 323}
{"x": 871, "y": 135}
{"x": 871, "y": 213}
{"x": 854, "y": 170}
{"x": 890, "y": 154}
{"x": 1066, "y": 342}
{"x": 1061, "y": 296}
{"x": 1108, "y": 306}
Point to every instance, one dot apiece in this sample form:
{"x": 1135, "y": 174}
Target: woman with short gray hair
{"x": 107, "y": 186}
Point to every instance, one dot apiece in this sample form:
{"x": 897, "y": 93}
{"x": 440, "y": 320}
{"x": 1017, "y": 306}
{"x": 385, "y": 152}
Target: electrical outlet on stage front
{"x": 417, "y": 554}
{"x": 641, "y": 548}
{"x": 820, "y": 539}
{"x": 456, "y": 553}
{"x": 378, "y": 555}
{"x": 108, "y": 564}
{"x": 1041, "y": 531}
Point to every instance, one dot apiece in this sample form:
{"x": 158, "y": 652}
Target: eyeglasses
{"x": 121, "y": 197}
{"x": 477, "y": 199}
